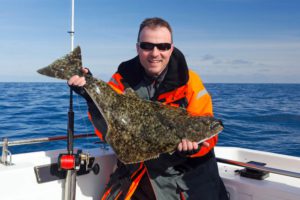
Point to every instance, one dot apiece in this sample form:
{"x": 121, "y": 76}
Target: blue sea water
{"x": 256, "y": 116}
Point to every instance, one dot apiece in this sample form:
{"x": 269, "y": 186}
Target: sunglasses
{"x": 150, "y": 46}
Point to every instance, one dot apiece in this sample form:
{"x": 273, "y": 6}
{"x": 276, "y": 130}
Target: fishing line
{"x": 82, "y": 116}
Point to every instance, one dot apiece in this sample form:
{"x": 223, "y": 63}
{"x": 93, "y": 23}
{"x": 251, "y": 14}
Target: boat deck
{"x": 19, "y": 181}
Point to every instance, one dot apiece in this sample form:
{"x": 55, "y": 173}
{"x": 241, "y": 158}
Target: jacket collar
{"x": 176, "y": 76}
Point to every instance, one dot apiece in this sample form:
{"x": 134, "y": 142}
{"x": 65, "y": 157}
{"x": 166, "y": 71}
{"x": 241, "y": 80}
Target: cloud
{"x": 207, "y": 57}
{"x": 240, "y": 62}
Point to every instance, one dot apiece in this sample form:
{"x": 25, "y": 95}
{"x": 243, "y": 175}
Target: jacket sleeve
{"x": 116, "y": 83}
{"x": 200, "y": 103}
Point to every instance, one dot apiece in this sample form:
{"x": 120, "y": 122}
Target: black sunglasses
{"x": 150, "y": 46}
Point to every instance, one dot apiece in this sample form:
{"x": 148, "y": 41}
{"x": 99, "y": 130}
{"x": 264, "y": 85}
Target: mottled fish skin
{"x": 65, "y": 67}
{"x": 138, "y": 129}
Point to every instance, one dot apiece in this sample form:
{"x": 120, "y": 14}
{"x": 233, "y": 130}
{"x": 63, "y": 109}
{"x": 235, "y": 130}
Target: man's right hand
{"x": 78, "y": 81}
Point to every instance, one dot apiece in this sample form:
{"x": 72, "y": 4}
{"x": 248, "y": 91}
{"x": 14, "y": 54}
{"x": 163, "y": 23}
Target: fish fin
{"x": 65, "y": 67}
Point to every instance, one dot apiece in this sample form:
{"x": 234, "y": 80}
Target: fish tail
{"x": 66, "y": 67}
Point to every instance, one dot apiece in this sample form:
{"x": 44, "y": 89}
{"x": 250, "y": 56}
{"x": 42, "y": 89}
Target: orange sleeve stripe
{"x": 98, "y": 133}
{"x": 174, "y": 95}
{"x": 116, "y": 89}
{"x": 116, "y": 83}
{"x": 134, "y": 185}
{"x": 140, "y": 167}
{"x": 119, "y": 194}
{"x": 105, "y": 195}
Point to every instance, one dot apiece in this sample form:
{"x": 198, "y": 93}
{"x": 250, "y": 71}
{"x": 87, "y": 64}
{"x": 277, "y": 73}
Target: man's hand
{"x": 77, "y": 80}
{"x": 187, "y": 147}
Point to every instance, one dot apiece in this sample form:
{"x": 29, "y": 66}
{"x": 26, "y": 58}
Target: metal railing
{"x": 44, "y": 139}
{"x": 6, "y": 143}
{"x": 259, "y": 168}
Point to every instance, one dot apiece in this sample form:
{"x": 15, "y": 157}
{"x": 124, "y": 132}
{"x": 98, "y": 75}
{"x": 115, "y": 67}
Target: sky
{"x": 224, "y": 41}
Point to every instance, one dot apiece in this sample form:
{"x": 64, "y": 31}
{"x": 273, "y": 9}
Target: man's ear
{"x": 172, "y": 48}
{"x": 137, "y": 47}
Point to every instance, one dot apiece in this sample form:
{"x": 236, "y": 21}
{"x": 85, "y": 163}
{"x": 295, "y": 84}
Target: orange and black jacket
{"x": 179, "y": 87}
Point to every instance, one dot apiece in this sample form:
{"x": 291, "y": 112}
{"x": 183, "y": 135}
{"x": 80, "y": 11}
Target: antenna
{"x": 72, "y": 26}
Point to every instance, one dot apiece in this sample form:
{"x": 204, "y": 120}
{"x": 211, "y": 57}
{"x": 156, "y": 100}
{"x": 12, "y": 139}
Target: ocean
{"x": 256, "y": 116}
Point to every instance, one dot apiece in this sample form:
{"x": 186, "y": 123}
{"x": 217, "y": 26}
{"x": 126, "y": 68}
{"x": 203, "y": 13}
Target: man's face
{"x": 154, "y": 61}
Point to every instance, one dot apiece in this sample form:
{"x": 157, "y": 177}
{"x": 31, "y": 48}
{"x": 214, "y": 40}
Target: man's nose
{"x": 155, "y": 51}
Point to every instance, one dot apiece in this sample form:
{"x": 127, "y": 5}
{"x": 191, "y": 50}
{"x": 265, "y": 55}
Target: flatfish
{"x": 138, "y": 129}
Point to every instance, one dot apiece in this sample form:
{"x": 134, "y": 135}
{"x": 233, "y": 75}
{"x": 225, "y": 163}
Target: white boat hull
{"x": 275, "y": 187}
{"x": 19, "y": 182}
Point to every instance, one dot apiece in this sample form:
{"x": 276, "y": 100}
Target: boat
{"x": 247, "y": 174}
{"x": 258, "y": 175}
{"x": 82, "y": 174}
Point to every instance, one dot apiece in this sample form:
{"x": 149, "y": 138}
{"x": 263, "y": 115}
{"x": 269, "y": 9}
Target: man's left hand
{"x": 189, "y": 148}
{"x": 186, "y": 145}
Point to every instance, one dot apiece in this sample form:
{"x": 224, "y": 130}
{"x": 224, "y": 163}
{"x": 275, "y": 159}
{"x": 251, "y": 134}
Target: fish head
{"x": 216, "y": 125}
{"x": 207, "y": 127}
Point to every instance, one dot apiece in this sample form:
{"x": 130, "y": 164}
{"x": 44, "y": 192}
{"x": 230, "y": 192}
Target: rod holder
{"x": 5, "y": 153}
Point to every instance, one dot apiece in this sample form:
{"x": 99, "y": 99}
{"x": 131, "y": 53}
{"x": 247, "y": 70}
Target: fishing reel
{"x": 69, "y": 161}
{"x": 81, "y": 162}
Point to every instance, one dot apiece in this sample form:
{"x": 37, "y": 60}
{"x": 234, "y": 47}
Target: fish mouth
{"x": 217, "y": 125}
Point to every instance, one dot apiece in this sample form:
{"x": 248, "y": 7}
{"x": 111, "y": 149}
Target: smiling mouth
{"x": 154, "y": 61}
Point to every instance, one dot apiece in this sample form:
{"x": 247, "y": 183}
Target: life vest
{"x": 180, "y": 88}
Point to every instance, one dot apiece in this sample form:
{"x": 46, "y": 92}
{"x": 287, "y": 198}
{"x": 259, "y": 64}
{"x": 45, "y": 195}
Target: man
{"x": 160, "y": 73}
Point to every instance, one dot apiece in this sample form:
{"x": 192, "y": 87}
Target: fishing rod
{"x": 70, "y": 161}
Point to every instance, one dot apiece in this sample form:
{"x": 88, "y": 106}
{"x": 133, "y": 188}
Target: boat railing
{"x": 257, "y": 171}
{"x": 6, "y": 143}
{"x": 252, "y": 166}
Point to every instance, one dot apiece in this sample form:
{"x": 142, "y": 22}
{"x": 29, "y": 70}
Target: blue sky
{"x": 252, "y": 41}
